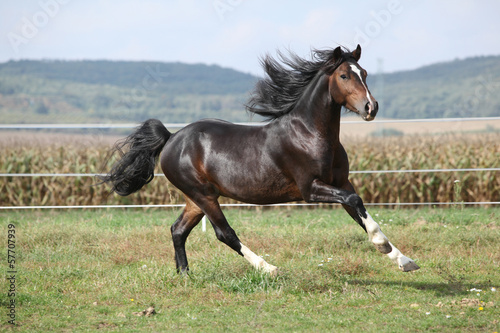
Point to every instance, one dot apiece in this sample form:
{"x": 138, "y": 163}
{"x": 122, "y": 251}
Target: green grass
{"x": 90, "y": 270}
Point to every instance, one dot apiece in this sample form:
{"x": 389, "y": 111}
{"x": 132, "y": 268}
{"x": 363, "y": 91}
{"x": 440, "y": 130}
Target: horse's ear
{"x": 357, "y": 53}
{"x": 337, "y": 53}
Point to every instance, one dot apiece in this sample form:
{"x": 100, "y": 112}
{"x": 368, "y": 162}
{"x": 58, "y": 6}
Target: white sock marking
{"x": 257, "y": 261}
{"x": 377, "y": 237}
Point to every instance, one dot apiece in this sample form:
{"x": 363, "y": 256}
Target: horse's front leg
{"x": 352, "y": 203}
{"x": 379, "y": 240}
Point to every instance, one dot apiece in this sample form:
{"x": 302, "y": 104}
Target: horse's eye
{"x": 343, "y": 76}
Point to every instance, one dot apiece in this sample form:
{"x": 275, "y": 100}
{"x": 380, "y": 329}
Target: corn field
{"x": 393, "y": 153}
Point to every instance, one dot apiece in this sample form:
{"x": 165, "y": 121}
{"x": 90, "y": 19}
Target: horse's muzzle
{"x": 371, "y": 110}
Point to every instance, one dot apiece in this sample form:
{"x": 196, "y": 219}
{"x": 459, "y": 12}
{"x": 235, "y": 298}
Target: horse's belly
{"x": 261, "y": 189}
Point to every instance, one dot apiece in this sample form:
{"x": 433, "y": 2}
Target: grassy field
{"x": 92, "y": 270}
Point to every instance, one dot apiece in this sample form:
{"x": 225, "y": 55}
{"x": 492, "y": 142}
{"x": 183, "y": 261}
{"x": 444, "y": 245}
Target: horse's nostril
{"x": 367, "y": 107}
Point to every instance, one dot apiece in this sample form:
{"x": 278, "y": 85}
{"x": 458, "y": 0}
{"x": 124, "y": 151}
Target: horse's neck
{"x": 317, "y": 110}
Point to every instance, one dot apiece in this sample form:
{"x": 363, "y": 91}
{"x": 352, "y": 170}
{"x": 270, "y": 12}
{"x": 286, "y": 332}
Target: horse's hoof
{"x": 407, "y": 265}
{"x": 272, "y": 271}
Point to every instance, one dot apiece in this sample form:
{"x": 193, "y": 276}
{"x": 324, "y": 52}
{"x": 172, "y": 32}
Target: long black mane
{"x": 278, "y": 93}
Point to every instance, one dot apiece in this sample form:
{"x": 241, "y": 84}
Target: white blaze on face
{"x": 357, "y": 71}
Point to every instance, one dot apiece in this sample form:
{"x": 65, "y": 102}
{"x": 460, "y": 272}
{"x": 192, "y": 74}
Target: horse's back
{"x": 212, "y": 134}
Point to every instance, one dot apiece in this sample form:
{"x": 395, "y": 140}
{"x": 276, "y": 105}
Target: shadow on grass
{"x": 438, "y": 288}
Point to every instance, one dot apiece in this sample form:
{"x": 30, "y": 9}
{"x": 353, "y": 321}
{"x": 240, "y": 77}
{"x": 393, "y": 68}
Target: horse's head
{"x": 348, "y": 87}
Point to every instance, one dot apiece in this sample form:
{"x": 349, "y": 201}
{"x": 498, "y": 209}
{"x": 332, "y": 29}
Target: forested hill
{"x": 119, "y": 91}
{"x": 460, "y": 88}
{"x": 173, "y": 77}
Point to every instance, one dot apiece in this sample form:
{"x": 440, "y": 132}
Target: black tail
{"x": 136, "y": 167}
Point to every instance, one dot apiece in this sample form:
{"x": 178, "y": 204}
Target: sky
{"x": 394, "y": 34}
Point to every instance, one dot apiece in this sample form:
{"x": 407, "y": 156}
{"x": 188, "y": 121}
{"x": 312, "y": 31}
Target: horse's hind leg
{"x": 227, "y": 235}
{"x": 189, "y": 218}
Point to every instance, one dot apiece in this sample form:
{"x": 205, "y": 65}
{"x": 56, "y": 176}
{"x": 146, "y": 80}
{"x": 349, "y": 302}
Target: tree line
{"x": 110, "y": 91}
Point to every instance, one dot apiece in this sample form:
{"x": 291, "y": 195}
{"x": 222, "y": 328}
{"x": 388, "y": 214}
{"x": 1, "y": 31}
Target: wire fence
{"x": 294, "y": 204}
{"x": 162, "y": 175}
{"x": 180, "y": 125}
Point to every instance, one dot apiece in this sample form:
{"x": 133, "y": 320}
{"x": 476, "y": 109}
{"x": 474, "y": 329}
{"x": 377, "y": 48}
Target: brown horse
{"x": 296, "y": 156}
